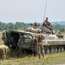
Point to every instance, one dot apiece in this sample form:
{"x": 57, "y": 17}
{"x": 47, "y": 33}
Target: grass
{"x": 57, "y": 58}
{"x": 50, "y": 59}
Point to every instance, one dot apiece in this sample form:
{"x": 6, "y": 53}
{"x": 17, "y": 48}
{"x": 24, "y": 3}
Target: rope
{"x": 45, "y": 9}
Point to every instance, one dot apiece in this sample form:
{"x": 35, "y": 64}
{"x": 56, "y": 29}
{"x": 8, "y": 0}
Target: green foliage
{"x": 11, "y": 26}
{"x": 21, "y": 25}
{"x": 59, "y": 27}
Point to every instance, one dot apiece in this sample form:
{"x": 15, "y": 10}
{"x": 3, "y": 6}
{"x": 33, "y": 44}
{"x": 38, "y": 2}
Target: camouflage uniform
{"x": 40, "y": 48}
{"x": 47, "y": 26}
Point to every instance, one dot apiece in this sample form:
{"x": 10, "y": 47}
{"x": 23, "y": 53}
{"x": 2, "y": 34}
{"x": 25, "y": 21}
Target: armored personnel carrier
{"x": 21, "y": 41}
{"x": 34, "y": 38}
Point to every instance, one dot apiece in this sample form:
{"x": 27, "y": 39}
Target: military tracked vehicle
{"x": 30, "y": 39}
{"x": 25, "y": 41}
{"x": 20, "y": 41}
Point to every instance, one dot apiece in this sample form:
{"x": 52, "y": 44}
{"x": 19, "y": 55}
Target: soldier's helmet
{"x": 34, "y": 25}
{"x": 46, "y": 18}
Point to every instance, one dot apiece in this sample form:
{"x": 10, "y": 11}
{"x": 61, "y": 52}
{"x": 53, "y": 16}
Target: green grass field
{"x": 50, "y": 59}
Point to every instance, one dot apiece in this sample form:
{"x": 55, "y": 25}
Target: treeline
{"x": 13, "y": 26}
{"x": 59, "y": 27}
{"x": 22, "y": 26}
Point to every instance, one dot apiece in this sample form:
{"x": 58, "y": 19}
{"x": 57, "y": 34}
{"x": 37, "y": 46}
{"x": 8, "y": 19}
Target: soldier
{"x": 39, "y": 45}
{"x": 47, "y": 26}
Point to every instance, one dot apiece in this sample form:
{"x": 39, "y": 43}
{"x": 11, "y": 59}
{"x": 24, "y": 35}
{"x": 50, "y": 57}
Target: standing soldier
{"x": 39, "y": 44}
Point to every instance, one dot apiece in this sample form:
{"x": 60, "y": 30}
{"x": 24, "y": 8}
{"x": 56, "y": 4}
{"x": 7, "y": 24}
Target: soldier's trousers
{"x": 40, "y": 50}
